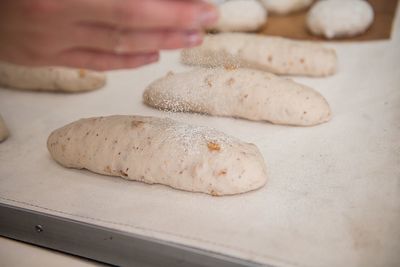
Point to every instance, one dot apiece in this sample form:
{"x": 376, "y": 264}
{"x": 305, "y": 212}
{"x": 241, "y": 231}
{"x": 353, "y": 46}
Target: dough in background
{"x": 340, "y": 18}
{"x": 3, "y": 130}
{"x": 57, "y": 79}
{"x": 240, "y": 93}
{"x": 240, "y": 16}
{"x": 160, "y": 151}
{"x": 273, "y": 54}
{"x": 283, "y": 7}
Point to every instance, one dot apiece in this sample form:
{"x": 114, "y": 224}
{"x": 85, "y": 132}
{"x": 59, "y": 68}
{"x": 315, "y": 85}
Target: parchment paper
{"x": 333, "y": 194}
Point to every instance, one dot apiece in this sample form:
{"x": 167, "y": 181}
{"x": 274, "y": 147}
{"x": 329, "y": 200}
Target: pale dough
{"x": 3, "y": 130}
{"x": 283, "y": 7}
{"x": 160, "y": 151}
{"x": 49, "y": 78}
{"x": 274, "y": 54}
{"x": 340, "y": 18}
{"x": 240, "y": 16}
{"x": 241, "y": 93}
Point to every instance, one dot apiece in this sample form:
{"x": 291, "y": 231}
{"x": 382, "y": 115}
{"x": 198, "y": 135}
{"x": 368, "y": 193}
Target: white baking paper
{"x": 333, "y": 194}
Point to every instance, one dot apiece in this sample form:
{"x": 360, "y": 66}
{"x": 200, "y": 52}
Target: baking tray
{"x": 103, "y": 244}
{"x": 332, "y": 197}
{"x": 294, "y": 25}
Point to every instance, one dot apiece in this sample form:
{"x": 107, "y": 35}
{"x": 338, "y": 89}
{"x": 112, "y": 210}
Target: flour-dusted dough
{"x": 240, "y": 16}
{"x": 273, "y": 54}
{"x": 283, "y": 7}
{"x": 340, "y": 18}
{"x": 162, "y": 151}
{"x": 242, "y": 93}
{"x": 50, "y": 78}
{"x": 3, "y": 130}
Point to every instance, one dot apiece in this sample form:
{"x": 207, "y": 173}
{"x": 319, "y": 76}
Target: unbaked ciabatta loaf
{"x": 160, "y": 151}
{"x": 345, "y": 18}
{"x": 240, "y": 16}
{"x": 50, "y": 78}
{"x": 242, "y": 93}
{"x": 274, "y": 54}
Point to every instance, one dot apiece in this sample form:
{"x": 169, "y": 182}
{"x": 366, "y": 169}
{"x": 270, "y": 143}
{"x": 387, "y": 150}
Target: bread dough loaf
{"x": 3, "y": 130}
{"x": 49, "y": 78}
{"x": 160, "y": 151}
{"x": 241, "y": 93}
{"x": 340, "y": 18}
{"x": 283, "y": 7}
{"x": 240, "y": 16}
{"x": 274, "y": 54}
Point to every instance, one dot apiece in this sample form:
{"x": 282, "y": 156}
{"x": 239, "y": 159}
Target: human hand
{"x": 98, "y": 34}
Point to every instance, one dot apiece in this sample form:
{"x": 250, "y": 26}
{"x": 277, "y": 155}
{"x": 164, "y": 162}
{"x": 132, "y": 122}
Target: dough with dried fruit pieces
{"x": 160, "y": 151}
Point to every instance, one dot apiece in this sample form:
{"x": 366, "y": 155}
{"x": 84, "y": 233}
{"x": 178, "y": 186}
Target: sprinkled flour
{"x": 192, "y": 137}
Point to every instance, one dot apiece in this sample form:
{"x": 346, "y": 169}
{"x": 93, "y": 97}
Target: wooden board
{"x": 294, "y": 25}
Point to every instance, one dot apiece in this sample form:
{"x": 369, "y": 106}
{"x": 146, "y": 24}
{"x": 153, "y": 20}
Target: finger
{"x": 101, "y": 61}
{"x": 150, "y": 14}
{"x": 111, "y": 40}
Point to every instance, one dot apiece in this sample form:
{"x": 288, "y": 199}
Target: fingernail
{"x": 193, "y": 38}
{"x": 209, "y": 15}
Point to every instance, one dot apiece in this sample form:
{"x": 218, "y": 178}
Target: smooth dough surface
{"x": 273, "y": 54}
{"x": 50, "y": 78}
{"x": 340, "y": 18}
{"x": 240, "y": 16}
{"x": 3, "y": 130}
{"x": 283, "y": 7}
{"x": 161, "y": 151}
{"x": 241, "y": 93}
